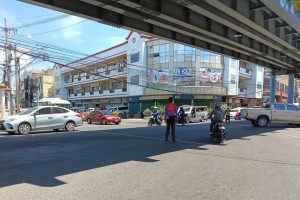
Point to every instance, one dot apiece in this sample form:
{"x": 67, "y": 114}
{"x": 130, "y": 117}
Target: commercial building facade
{"x": 144, "y": 71}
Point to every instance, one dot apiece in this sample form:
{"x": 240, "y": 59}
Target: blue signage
{"x": 133, "y": 98}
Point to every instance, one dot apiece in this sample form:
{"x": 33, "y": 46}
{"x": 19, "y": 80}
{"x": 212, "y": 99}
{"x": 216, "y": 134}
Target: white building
{"x": 144, "y": 71}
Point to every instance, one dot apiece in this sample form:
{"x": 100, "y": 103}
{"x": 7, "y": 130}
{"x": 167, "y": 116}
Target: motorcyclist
{"x": 181, "y": 115}
{"x": 155, "y": 114}
{"x": 216, "y": 115}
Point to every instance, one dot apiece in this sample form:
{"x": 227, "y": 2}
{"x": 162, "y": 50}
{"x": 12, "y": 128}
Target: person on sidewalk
{"x": 170, "y": 117}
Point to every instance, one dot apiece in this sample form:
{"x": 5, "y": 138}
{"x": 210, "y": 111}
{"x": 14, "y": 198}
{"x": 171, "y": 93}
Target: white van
{"x": 195, "y": 113}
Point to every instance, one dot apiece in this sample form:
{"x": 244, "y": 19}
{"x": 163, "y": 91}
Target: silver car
{"x": 42, "y": 118}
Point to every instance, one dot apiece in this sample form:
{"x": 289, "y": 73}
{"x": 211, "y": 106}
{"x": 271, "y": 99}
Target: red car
{"x": 103, "y": 117}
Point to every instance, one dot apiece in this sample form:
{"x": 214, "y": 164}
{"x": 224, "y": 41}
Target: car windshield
{"x": 30, "y": 110}
{"x": 186, "y": 109}
{"x": 110, "y": 109}
{"x": 106, "y": 113}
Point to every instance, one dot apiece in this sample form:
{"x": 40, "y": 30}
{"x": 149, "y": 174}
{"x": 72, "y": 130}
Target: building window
{"x": 105, "y": 86}
{"x": 134, "y": 57}
{"x": 116, "y": 85}
{"x": 232, "y": 79}
{"x": 134, "y": 80}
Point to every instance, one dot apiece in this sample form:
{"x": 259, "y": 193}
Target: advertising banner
{"x": 158, "y": 77}
{"x": 211, "y": 77}
{"x": 184, "y": 80}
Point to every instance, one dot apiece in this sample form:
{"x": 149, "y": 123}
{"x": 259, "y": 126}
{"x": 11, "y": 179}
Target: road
{"x": 132, "y": 161}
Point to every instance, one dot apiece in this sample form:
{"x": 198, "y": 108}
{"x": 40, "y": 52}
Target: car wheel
{"x": 70, "y": 126}
{"x": 56, "y": 130}
{"x": 11, "y": 132}
{"x": 24, "y": 128}
{"x": 262, "y": 121}
{"x": 103, "y": 121}
{"x": 89, "y": 121}
{"x": 202, "y": 119}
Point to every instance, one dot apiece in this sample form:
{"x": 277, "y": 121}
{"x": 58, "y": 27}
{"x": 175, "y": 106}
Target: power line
{"x": 44, "y": 21}
{"x": 59, "y": 28}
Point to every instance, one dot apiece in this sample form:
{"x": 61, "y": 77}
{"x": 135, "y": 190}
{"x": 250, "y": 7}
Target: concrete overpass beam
{"x": 291, "y": 88}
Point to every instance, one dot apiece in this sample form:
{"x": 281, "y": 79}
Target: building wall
{"x": 231, "y": 78}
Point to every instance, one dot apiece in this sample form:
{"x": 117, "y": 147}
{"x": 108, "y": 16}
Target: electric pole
{"x": 8, "y": 59}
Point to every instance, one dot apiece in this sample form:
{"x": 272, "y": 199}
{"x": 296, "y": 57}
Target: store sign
{"x": 133, "y": 98}
{"x": 181, "y": 71}
{"x": 185, "y": 97}
{"x": 184, "y": 80}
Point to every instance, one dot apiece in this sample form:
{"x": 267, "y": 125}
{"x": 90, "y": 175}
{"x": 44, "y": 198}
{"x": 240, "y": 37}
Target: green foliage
{"x": 147, "y": 112}
{"x": 161, "y": 108}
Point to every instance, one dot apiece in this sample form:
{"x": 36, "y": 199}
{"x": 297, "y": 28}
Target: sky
{"x": 69, "y": 32}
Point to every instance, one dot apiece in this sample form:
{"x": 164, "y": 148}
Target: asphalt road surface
{"x": 132, "y": 161}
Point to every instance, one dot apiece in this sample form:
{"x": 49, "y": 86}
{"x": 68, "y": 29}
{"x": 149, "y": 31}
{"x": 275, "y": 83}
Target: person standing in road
{"x": 227, "y": 115}
{"x": 170, "y": 117}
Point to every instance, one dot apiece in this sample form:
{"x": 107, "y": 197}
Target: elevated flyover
{"x": 264, "y": 32}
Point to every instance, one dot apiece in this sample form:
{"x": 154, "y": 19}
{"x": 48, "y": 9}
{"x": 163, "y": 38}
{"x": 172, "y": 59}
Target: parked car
{"x": 234, "y": 111}
{"x": 42, "y": 118}
{"x": 274, "y": 112}
{"x": 103, "y": 117}
{"x": 122, "y": 110}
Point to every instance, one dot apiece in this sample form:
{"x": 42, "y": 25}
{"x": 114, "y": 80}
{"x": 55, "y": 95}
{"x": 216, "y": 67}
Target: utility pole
{"x": 8, "y": 59}
{"x": 17, "y": 76}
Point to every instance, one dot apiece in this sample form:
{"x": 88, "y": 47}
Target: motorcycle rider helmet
{"x": 217, "y": 105}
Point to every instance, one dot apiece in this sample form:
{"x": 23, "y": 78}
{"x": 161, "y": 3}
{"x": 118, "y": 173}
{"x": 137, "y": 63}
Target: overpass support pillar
{"x": 272, "y": 87}
{"x": 291, "y": 88}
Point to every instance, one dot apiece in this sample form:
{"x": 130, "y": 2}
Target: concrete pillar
{"x": 272, "y": 87}
{"x": 291, "y": 88}
{"x": 2, "y": 103}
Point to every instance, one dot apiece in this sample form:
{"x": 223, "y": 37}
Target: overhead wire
{"x": 68, "y": 59}
{"x": 44, "y": 21}
{"x": 51, "y": 31}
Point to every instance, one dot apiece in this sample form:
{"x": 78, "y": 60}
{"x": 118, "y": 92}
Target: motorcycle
{"x": 219, "y": 132}
{"x": 152, "y": 121}
{"x": 182, "y": 120}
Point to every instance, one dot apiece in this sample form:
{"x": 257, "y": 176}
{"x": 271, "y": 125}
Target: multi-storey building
{"x": 34, "y": 84}
{"x": 144, "y": 71}
{"x": 250, "y": 88}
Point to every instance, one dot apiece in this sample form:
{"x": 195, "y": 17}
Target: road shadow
{"x": 40, "y": 158}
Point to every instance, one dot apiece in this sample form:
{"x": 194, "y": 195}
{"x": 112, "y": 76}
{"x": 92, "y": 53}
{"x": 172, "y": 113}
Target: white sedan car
{"x": 42, "y": 118}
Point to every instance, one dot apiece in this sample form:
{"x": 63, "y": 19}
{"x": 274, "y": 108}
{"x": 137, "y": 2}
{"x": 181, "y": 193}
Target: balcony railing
{"x": 245, "y": 73}
{"x": 92, "y": 92}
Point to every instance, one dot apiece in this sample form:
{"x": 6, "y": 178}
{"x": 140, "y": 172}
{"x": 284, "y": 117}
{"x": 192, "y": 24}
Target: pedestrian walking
{"x": 170, "y": 117}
